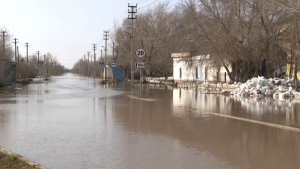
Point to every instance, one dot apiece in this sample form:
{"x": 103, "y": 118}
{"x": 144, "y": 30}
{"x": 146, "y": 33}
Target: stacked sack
{"x": 261, "y": 87}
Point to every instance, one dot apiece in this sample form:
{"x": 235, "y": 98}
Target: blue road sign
{"x": 101, "y": 65}
{"x": 113, "y": 65}
{"x": 40, "y": 63}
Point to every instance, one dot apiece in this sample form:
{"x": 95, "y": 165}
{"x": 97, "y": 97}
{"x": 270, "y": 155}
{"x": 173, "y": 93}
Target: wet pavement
{"x": 76, "y": 122}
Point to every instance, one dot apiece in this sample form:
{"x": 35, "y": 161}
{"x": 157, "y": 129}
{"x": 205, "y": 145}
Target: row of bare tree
{"x": 25, "y": 70}
{"x": 238, "y": 34}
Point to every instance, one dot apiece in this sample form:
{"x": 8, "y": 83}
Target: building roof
{"x": 180, "y": 55}
{"x": 188, "y": 54}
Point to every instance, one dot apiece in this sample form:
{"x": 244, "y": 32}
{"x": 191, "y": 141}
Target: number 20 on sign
{"x": 140, "y": 53}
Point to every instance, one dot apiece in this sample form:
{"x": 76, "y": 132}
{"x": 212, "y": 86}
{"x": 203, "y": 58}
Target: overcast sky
{"x": 66, "y": 28}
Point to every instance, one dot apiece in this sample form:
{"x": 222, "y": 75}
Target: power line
{"x": 141, "y": 1}
{"x": 153, "y": 2}
{"x": 121, "y": 17}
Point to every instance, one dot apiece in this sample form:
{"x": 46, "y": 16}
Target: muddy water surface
{"x": 75, "y": 122}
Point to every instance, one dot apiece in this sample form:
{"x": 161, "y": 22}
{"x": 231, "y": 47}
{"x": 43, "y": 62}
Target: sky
{"x": 65, "y": 28}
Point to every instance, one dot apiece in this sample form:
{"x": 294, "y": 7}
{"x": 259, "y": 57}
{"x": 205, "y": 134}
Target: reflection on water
{"x": 76, "y": 122}
{"x": 265, "y": 109}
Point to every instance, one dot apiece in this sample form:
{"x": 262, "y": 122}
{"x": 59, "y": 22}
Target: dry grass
{"x": 13, "y": 162}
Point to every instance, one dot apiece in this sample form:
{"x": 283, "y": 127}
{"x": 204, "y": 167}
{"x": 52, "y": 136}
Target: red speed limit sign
{"x": 140, "y": 53}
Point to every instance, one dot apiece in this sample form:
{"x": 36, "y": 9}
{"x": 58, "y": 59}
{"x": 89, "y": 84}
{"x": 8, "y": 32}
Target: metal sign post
{"x": 140, "y": 53}
{"x": 102, "y": 66}
{"x": 113, "y": 68}
{"x": 40, "y": 63}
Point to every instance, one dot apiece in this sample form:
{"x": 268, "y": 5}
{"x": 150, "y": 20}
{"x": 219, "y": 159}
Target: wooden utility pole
{"x": 105, "y": 50}
{"x": 27, "y": 45}
{"x": 15, "y": 42}
{"x": 132, "y": 16}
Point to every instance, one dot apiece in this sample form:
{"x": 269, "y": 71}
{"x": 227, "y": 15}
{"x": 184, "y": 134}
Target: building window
{"x": 196, "y": 72}
{"x": 180, "y": 73}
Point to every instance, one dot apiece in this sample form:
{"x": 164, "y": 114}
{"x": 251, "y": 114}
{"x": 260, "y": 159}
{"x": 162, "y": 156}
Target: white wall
{"x": 188, "y": 72}
{"x": 283, "y": 68}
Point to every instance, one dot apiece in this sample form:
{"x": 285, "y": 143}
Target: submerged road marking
{"x": 257, "y": 122}
{"x": 249, "y": 120}
{"x": 143, "y": 99}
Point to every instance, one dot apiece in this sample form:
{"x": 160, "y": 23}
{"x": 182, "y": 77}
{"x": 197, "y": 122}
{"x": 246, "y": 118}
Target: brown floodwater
{"x": 75, "y": 122}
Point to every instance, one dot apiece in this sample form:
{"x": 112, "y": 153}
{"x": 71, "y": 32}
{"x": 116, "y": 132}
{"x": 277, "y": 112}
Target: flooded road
{"x": 75, "y": 122}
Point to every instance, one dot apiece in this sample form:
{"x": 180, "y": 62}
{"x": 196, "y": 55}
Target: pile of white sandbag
{"x": 261, "y": 87}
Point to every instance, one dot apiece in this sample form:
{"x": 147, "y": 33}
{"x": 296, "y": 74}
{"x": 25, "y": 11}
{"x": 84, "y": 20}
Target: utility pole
{"x": 3, "y": 38}
{"x": 16, "y": 48}
{"x": 45, "y": 67}
{"x": 18, "y": 70}
{"x": 91, "y": 67}
{"x": 94, "y": 67}
{"x": 88, "y": 63}
{"x": 114, "y": 51}
{"x": 27, "y": 45}
{"x": 132, "y": 15}
{"x": 38, "y": 61}
{"x": 101, "y": 70}
{"x": 85, "y": 64}
{"x": 18, "y": 54}
{"x": 38, "y": 55}
{"x": 105, "y": 50}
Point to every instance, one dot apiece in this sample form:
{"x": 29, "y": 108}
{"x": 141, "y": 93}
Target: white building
{"x": 196, "y": 68}
{"x": 276, "y": 73}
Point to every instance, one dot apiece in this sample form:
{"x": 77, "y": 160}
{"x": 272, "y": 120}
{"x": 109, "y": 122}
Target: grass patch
{"x": 13, "y": 162}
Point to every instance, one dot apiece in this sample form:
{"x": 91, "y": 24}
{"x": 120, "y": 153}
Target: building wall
{"x": 197, "y": 71}
{"x": 8, "y": 73}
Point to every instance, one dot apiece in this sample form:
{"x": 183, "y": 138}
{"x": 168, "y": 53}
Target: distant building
{"x": 276, "y": 73}
{"x": 8, "y": 72}
{"x": 117, "y": 74}
{"x": 197, "y": 68}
